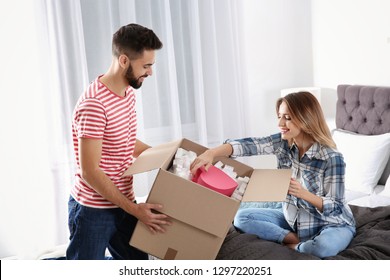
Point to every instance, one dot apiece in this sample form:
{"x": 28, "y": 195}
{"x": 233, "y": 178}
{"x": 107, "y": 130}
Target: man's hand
{"x": 154, "y": 221}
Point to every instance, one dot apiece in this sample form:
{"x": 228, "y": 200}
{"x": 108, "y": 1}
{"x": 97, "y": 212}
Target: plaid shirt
{"x": 321, "y": 171}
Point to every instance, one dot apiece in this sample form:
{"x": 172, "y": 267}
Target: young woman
{"x": 315, "y": 218}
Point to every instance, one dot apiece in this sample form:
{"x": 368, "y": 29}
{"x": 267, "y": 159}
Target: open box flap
{"x": 193, "y": 204}
{"x": 268, "y": 185}
{"x": 192, "y": 146}
{"x": 156, "y": 157}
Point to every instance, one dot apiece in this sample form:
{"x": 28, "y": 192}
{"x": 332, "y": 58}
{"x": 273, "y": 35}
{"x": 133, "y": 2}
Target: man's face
{"x": 140, "y": 68}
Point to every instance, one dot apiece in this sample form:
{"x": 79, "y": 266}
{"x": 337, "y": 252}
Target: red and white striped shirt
{"x": 102, "y": 114}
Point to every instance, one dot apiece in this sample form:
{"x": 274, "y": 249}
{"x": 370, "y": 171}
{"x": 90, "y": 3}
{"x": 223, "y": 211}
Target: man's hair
{"x": 133, "y": 39}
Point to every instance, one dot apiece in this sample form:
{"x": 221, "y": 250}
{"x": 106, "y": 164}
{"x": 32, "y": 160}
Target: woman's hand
{"x": 296, "y": 189}
{"x": 206, "y": 159}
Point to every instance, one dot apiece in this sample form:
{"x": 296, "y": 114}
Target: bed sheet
{"x": 372, "y": 241}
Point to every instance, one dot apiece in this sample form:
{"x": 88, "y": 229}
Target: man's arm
{"x": 90, "y": 154}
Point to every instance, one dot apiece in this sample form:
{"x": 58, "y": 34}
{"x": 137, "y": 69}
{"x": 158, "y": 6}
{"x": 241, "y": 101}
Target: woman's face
{"x": 287, "y": 127}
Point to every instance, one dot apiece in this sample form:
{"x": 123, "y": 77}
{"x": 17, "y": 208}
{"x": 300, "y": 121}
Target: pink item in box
{"x": 216, "y": 180}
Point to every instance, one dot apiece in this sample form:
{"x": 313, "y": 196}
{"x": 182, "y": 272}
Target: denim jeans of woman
{"x": 94, "y": 230}
{"x": 270, "y": 224}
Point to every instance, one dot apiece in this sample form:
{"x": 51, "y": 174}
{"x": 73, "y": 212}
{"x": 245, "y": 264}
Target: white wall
{"x": 278, "y": 54}
{"x": 277, "y": 36}
{"x": 351, "y": 42}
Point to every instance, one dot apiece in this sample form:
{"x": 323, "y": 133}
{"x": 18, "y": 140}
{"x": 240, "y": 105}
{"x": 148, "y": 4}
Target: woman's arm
{"x": 297, "y": 190}
{"x": 207, "y": 158}
{"x": 334, "y": 180}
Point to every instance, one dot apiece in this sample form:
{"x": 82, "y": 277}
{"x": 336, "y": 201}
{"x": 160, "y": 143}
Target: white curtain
{"x": 198, "y": 91}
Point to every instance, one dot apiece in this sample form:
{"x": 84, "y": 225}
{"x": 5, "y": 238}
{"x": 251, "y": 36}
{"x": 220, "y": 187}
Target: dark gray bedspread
{"x": 372, "y": 241}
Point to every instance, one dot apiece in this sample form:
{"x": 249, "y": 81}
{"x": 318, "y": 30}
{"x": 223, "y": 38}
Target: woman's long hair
{"x": 306, "y": 113}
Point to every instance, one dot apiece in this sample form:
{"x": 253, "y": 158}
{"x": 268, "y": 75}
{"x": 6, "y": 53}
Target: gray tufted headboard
{"x": 364, "y": 110}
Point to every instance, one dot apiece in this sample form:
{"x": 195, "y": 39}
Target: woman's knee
{"x": 324, "y": 247}
{"x": 241, "y": 219}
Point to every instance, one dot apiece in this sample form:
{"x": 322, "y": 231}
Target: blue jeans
{"x": 270, "y": 224}
{"x": 93, "y": 230}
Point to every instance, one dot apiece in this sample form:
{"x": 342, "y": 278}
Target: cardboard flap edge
{"x": 268, "y": 185}
{"x": 153, "y": 158}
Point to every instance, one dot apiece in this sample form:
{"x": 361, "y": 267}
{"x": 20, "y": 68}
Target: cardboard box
{"x": 200, "y": 217}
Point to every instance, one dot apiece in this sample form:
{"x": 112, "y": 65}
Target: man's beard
{"x": 132, "y": 80}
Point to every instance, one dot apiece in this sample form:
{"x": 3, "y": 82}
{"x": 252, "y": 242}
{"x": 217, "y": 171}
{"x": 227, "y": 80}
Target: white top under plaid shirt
{"x": 321, "y": 171}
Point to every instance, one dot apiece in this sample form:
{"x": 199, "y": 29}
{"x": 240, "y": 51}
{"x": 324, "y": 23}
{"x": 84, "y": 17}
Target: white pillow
{"x": 371, "y": 201}
{"x": 365, "y": 157}
{"x": 386, "y": 191}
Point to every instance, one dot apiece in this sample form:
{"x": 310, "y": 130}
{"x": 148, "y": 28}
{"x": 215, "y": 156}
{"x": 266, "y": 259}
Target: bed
{"x": 362, "y": 134}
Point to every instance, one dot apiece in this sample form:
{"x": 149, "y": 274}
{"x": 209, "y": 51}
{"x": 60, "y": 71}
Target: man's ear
{"x": 123, "y": 60}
